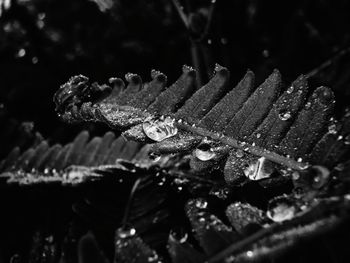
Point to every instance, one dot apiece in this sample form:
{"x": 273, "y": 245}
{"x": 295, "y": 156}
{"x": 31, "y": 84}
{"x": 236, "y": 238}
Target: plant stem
{"x": 255, "y": 150}
{"x": 180, "y": 11}
{"x": 129, "y": 203}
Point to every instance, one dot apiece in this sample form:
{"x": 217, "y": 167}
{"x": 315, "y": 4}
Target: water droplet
{"x": 223, "y": 41}
{"x": 41, "y": 16}
{"x": 347, "y": 112}
{"x": 290, "y": 89}
{"x": 162, "y": 181}
{"x": 320, "y": 176}
{"x": 308, "y": 105}
{"x": 259, "y": 169}
{"x": 125, "y": 233}
{"x": 230, "y": 259}
{"x": 250, "y": 253}
{"x": 284, "y": 115}
{"x": 153, "y": 258}
{"x": 201, "y": 219}
{"x": 266, "y": 53}
{"x": 179, "y": 235}
{"x": 347, "y": 140}
{"x": 158, "y": 130}
{"x": 49, "y": 239}
{"x": 21, "y": 53}
{"x": 40, "y": 24}
{"x": 209, "y": 41}
{"x": 281, "y": 209}
{"x": 295, "y": 175}
{"x": 332, "y": 129}
{"x": 35, "y": 60}
{"x": 242, "y": 143}
{"x": 204, "y": 152}
{"x": 299, "y": 160}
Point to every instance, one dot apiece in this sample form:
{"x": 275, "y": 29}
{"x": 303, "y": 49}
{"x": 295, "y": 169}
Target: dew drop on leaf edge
{"x": 159, "y": 130}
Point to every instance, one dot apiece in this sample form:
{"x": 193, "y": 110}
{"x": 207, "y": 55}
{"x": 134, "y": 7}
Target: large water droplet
{"x": 280, "y": 209}
{"x": 204, "y": 152}
{"x": 284, "y": 115}
{"x": 259, "y": 169}
{"x": 158, "y": 130}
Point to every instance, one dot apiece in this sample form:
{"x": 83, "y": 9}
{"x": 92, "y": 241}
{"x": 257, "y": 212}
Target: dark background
{"x": 44, "y": 43}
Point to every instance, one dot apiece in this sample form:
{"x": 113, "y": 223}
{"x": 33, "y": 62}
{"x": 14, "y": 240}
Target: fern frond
{"x": 237, "y": 126}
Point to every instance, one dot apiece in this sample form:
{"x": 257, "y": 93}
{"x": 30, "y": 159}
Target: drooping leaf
{"x": 88, "y": 250}
{"x": 68, "y": 164}
{"x": 130, "y": 248}
{"x": 212, "y": 234}
{"x": 181, "y": 250}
